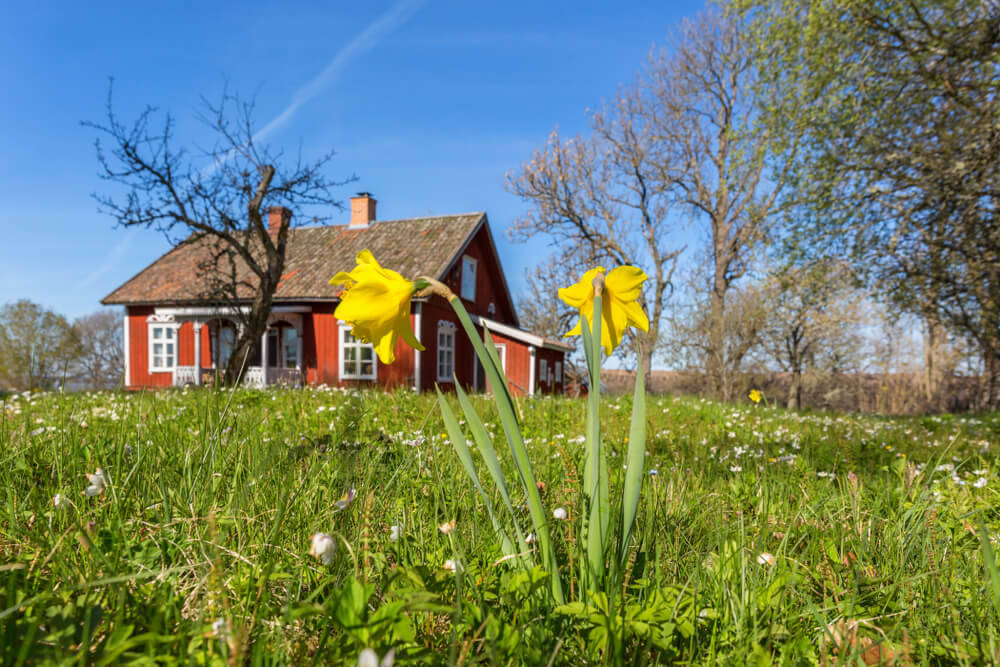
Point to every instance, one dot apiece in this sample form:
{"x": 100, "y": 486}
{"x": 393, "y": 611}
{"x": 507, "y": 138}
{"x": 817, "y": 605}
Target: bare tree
{"x": 723, "y": 166}
{"x": 101, "y": 362}
{"x": 814, "y": 316}
{"x": 600, "y": 200}
{"x": 682, "y": 140}
{"x": 215, "y": 197}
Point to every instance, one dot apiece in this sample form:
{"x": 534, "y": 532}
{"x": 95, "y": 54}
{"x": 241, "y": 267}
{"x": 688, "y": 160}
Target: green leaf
{"x": 489, "y": 455}
{"x": 511, "y": 428}
{"x": 461, "y": 446}
{"x": 635, "y": 462}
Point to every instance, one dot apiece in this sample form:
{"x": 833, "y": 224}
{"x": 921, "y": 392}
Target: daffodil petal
{"x": 386, "y": 348}
{"x": 579, "y": 293}
{"x": 405, "y": 332}
{"x": 625, "y": 282}
{"x": 636, "y": 315}
{"x": 342, "y": 278}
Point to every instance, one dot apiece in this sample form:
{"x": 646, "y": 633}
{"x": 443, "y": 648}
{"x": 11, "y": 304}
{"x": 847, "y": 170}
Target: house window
{"x": 282, "y": 346}
{"x": 502, "y": 353}
{"x": 558, "y": 375}
{"x": 290, "y": 347}
{"x": 446, "y": 351}
{"x": 543, "y": 371}
{"x": 357, "y": 359}
{"x": 162, "y": 347}
{"x": 468, "y": 278}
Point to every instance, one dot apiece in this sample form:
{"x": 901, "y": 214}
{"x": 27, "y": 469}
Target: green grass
{"x": 197, "y": 552}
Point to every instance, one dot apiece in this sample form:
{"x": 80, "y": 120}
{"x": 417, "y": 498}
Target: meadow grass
{"x": 762, "y": 536}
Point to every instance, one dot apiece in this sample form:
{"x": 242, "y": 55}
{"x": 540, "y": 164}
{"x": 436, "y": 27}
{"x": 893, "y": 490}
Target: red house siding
{"x": 138, "y": 357}
{"x": 489, "y": 281}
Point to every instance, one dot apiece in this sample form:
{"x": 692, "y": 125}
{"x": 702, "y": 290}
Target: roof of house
{"x": 414, "y": 246}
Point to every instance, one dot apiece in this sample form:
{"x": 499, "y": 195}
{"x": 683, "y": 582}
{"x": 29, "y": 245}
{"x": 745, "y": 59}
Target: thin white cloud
{"x": 398, "y": 14}
{"x": 111, "y": 261}
{"x": 365, "y": 41}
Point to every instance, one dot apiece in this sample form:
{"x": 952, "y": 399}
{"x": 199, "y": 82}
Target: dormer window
{"x": 469, "y": 278}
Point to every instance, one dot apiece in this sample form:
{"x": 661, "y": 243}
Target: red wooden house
{"x": 173, "y": 336}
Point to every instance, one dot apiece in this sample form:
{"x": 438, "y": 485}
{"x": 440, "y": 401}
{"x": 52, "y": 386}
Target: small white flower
{"x": 345, "y": 499}
{"x": 452, "y": 565}
{"x": 560, "y": 513}
{"x": 979, "y": 483}
{"x": 394, "y": 533}
{"x": 58, "y": 501}
{"x": 531, "y": 539}
{"x": 220, "y": 629}
{"x": 324, "y": 547}
{"x": 447, "y": 527}
{"x": 98, "y": 482}
{"x": 735, "y": 468}
{"x": 765, "y": 559}
{"x": 369, "y": 658}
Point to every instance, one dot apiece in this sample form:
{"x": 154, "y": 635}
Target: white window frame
{"x": 447, "y": 329}
{"x": 558, "y": 379}
{"x": 345, "y": 331}
{"x": 469, "y": 271}
{"x": 502, "y": 353}
{"x": 154, "y": 322}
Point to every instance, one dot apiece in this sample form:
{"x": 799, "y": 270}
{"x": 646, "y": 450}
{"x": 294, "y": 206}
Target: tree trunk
{"x": 991, "y": 377}
{"x": 716, "y": 363}
{"x": 795, "y": 390}
{"x": 934, "y": 338}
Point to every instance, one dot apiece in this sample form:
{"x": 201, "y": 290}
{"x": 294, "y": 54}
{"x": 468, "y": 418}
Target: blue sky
{"x": 428, "y": 103}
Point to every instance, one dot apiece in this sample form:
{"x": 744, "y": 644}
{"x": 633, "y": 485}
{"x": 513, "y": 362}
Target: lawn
{"x": 762, "y": 535}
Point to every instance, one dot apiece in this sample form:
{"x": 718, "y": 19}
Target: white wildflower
{"x": 560, "y": 513}
{"x": 447, "y": 527}
{"x": 452, "y": 565}
{"x": 98, "y": 482}
{"x": 394, "y": 532}
{"x": 324, "y": 547}
{"x": 765, "y": 558}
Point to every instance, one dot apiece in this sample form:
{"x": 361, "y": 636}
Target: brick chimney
{"x": 274, "y": 217}
{"x": 362, "y": 210}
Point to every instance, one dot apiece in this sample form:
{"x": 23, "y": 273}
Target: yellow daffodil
{"x": 619, "y": 307}
{"x": 376, "y": 303}
{"x": 755, "y": 396}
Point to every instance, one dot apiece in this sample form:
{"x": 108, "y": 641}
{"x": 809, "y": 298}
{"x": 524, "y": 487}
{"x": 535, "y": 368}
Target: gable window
{"x": 357, "y": 359}
{"x": 446, "y": 351}
{"x": 558, "y": 374}
{"x": 162, "y": 347}
{"x": 469, "y": 278}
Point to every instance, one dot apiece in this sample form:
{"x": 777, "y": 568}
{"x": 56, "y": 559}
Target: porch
{"x": 211, "y": 339}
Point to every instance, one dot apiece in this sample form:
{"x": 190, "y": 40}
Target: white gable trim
{"x": 518, "y": 334}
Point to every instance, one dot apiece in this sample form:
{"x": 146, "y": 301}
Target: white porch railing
{"x": 255, "y": 376}
{"x": 185, "y": 375}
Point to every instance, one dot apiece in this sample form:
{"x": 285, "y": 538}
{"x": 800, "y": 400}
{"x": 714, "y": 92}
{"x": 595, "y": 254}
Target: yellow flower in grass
{"x": 619, "y": 307}
{"x": 755, "y": 396}
{"x": 376, "y": 303}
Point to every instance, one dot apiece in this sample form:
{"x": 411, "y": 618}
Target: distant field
{"x": 762, "y": 535}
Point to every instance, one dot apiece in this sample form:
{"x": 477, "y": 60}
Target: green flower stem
{"x": 508, "y": 420}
